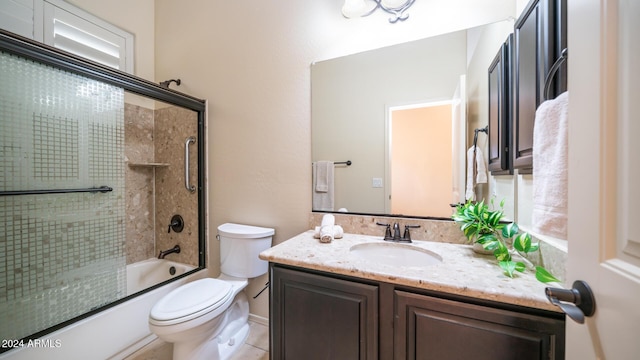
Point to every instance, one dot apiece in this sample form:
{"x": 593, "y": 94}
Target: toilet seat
{"x": 190, "y": 301}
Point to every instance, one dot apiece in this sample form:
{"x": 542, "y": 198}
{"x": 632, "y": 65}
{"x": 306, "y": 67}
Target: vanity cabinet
{"x": 320, "y": 317}
{"x": 317, "y": 315}
{"x": 428, "y": 327}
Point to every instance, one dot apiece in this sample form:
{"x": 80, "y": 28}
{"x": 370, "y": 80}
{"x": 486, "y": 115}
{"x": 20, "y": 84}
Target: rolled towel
{"x": 326, "y": 233}
{"x": 338, "y": 232}
{"x": 328, "y": 219}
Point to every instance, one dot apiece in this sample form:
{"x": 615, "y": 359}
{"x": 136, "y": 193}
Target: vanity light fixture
{"x": 361, "y": 8}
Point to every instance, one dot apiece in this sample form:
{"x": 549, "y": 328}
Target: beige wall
{"x": 250, "y": 60}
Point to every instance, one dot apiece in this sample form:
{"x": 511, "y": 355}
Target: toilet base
{"x": 222, "y": 344}
{"x": 212, "y": 349}
{"x": 230, "y": 347}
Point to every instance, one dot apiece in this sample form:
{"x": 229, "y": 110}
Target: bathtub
{"x": 144, "y": 274}
{"x": 116, "y": 332}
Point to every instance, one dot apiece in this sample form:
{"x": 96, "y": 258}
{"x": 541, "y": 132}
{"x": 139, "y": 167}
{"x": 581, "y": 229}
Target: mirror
{"x": 358, "y": 102}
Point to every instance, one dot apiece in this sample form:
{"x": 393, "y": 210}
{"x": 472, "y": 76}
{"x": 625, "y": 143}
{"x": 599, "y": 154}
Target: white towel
{"x": 328, "y": 219}
{"x": 338, "y": 232}
{"x": 475, "y": 175}
{"x": 550, "y": 157}
{"x": 326, "y": 228}
{"x": 322, "y": 190}
{"x": 324, "y": 175}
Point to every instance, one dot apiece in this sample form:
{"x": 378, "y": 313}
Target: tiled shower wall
{"x": 173, "y": 125}
{"x": 154, "y": 151}
{"x": 138, "y": 151}
{"x": 61, "y": 255}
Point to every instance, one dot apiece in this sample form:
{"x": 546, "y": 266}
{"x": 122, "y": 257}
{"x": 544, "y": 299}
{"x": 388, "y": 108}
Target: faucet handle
{"x": 387, "y": 231}
{"x": 176, "y": 224}
{"x": 407, "y": 235}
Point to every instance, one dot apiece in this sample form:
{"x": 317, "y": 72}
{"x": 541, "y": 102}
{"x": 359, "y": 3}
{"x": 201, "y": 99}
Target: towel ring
{"x": 552, "y": 72}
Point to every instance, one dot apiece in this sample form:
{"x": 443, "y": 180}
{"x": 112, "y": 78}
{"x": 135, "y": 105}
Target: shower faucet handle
{"x": 176, "y": 224}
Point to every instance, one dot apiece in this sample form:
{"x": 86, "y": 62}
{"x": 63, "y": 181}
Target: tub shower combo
{"x": 96, "y": 164}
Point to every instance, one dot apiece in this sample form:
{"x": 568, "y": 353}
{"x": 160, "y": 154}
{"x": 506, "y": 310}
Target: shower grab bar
{"x": 189, "y": 140}
{"x": 102, "y": 189}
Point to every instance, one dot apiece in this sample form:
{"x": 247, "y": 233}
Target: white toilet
{"x": 207, "y": 318}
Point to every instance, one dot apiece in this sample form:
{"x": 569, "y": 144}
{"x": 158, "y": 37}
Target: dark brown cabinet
{"x": 320, "y": 317}
{"x": 539, "y": 37}
{"x": 317, "y": 315}
{"x": 500, "y": 109}
{"x": 429, "y": 327}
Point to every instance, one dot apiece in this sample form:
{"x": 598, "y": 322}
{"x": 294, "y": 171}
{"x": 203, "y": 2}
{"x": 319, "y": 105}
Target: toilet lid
{"x": 244, "y": 231}
{"x": 191, "y": 298}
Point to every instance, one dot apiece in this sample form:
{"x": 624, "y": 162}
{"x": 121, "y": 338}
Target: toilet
{"x": 208, "y": 318}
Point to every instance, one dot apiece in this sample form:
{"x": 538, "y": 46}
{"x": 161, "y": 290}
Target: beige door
{"x": 420, "y": 161}
{"x": 604, "y": 175}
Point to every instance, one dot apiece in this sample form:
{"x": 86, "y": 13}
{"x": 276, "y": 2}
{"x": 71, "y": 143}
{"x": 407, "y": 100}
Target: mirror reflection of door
{"x": 420, "y": 160}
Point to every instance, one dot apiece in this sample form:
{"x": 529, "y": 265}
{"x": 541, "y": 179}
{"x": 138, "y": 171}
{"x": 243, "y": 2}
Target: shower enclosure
{"x": 95, "y": 164}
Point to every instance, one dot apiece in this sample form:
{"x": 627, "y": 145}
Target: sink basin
{"x": 395, "y": 254}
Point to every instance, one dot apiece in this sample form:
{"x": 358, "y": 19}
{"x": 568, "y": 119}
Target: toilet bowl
{"x": 207, "y": 318}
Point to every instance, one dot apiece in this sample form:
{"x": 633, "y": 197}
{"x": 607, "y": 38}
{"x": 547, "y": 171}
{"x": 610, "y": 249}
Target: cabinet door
{"x": 432, "y": 328}
{"x": 318, "y": 317}
{"x": 534, "y": 54}
{"x": 499, "y": 105}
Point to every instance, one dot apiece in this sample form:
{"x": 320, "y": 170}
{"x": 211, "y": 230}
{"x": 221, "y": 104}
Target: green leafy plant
{"x": 485, "y": 226}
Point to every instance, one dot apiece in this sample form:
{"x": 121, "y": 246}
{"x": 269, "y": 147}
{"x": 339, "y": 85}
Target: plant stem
{"x": 524, "y": 259}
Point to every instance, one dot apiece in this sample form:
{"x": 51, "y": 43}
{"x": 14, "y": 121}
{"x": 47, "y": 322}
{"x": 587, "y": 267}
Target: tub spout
{"x": 175, "y": 249}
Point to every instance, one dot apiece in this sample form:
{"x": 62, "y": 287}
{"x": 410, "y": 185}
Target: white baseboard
{"x": 259, "y": 319}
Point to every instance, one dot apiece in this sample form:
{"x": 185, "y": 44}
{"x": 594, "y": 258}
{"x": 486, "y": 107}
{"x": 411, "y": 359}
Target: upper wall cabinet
{"x": 500, "y": 109}
{"x": 540, "y": 36}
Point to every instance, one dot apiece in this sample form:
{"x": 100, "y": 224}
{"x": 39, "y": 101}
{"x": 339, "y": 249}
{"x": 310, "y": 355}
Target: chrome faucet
{"x": 406, "y": 237}
{"x": 175, "y": 249}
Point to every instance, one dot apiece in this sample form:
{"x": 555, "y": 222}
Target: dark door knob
{"x": 577, "y": 302}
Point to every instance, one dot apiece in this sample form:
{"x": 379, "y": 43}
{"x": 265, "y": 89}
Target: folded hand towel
{"x": 476, "y": 171}
{"x": 481, "y": 167}
{"x": 324, "y": 175}
{"x": 322, "y": 190}
{"x": 550, "y": 155}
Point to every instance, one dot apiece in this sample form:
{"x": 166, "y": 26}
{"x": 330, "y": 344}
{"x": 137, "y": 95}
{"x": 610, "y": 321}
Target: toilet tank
{"x": 240, "y": 246}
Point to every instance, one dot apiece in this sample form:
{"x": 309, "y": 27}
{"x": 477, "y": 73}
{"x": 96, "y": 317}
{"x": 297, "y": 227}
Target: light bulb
{"x": 393, "y": 4}
{"x": 354, "y": 8}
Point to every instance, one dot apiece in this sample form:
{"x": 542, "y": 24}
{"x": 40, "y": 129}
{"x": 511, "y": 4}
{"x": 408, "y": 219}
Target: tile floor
{"x": 255, "y": 348}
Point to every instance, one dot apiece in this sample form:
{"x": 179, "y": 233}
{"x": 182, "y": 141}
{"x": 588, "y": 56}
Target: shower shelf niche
{"x": 149, "y": 164}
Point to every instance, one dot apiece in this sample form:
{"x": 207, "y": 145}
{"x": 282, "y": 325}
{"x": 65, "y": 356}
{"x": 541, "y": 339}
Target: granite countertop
{"x": 461, "y": 272}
